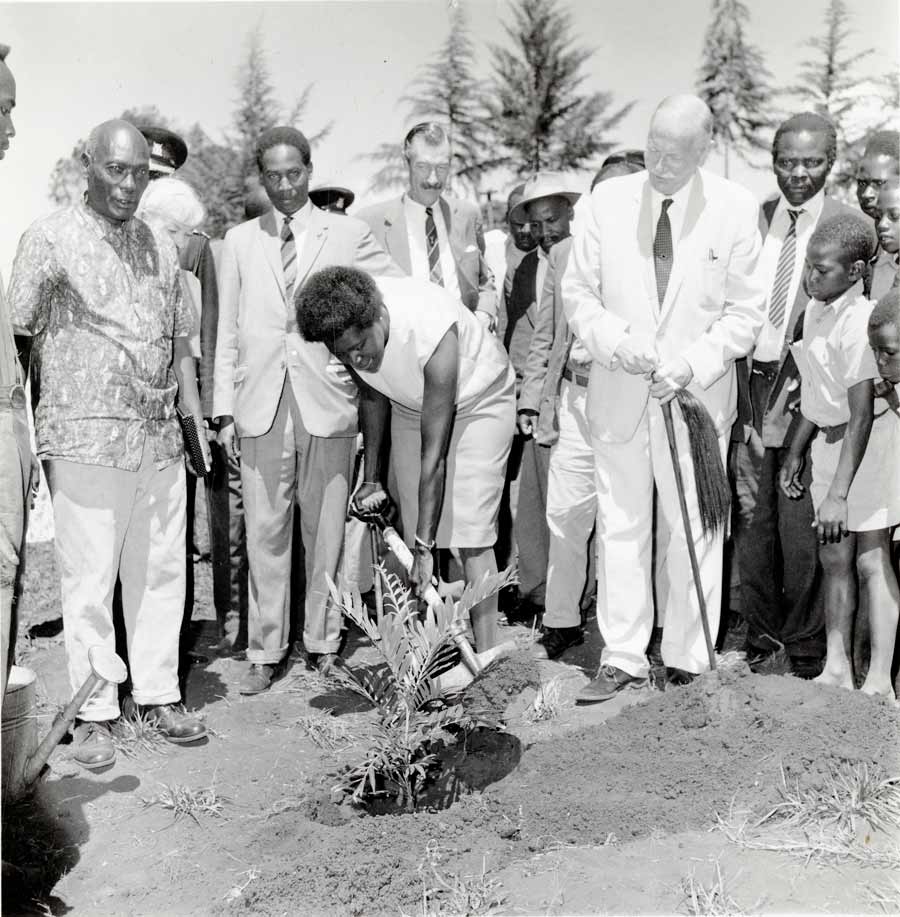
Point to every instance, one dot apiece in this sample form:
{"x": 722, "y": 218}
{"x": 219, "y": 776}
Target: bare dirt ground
{"x": 737, "y": 794}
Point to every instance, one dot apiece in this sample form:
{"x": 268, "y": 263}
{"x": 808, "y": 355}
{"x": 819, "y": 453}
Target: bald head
{"x": 678, "y": 141}
{"x": 7, "y": 102}
{"x": 116, "y": 163}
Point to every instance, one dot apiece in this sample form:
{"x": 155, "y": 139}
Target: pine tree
{"x": 733, "y": 81}
{"x": 445, "y": 91}
{"x": 830, "y": 84}
{"x": 539, "y": 116}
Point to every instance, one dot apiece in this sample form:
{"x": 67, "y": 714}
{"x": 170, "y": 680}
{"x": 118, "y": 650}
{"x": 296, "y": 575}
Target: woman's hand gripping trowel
{"x": 473, "y": 664}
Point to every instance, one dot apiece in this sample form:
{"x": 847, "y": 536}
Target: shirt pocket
{"x": 713, "y": 283}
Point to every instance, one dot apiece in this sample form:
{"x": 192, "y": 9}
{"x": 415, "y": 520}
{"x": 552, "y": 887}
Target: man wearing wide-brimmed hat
{"x": 546, "y": 205}
{"x": 332, "y": 198}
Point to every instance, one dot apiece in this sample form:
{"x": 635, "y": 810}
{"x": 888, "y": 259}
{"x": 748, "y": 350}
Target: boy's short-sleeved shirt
{"x": 104, "y": 303}
{"x": 833, "y": 356}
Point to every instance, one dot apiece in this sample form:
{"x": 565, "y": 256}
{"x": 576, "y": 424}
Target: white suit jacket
{"x": 713, "y": 308}
{"x": 257, "y": 340}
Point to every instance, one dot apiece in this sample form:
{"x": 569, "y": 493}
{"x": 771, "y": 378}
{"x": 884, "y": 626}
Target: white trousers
{"x": 571, "y": 509}
{"x": 129, "y": 524}
{"x": 626, "y": 473}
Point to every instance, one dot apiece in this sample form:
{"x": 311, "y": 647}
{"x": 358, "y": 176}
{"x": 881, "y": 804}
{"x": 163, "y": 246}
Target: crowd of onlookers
{"x": 515, "y": 393}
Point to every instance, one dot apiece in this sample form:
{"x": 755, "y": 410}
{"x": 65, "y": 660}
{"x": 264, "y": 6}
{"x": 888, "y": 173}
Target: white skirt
{"x": 476, "y": 467}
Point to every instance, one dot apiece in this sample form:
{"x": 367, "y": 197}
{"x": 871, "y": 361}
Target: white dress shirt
{"x": 771, "y": 339}
{"x": 677, "y": 211}
{"x": 418, "y": 245}
{"x": 540, "y": 276}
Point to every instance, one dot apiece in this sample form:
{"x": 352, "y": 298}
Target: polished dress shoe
{"x": 609, "y": 682}
{"x": 175, "y": 723}
{"x": 555, "y": 641}
{"x": 93, "y": 744}
{"x": 257, "y": 679}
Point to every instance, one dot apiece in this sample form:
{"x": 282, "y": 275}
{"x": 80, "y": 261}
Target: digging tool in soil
{"x": 473, "y": 664}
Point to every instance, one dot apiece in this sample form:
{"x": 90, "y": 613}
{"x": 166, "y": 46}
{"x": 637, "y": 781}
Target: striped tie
{"x": 784, "y": 272}
{"x": 288, "y": 258}
{"x": 435, "y": 275}
{"x": 662, "y": 250}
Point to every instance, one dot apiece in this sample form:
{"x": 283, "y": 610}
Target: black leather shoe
{"x": 608, "y": 683}
{"x": 807, "y": 667}
{"x": 679, "y": 677}
{"x": 555, "y": 641}
{"x": 524, "y": 612}
{"x": 175, "y": 723}
{"x": 774, "y": 661}
{"x": 93, "y": 744}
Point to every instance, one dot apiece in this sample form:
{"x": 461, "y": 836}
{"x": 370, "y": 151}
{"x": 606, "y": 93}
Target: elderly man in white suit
{"x": 660, "y": 287}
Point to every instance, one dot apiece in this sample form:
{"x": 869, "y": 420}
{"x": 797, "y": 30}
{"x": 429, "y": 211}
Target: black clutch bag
{"x": 192, "y": 442}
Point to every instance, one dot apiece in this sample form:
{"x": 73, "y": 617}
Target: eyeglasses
{"x": 424, "y": 169}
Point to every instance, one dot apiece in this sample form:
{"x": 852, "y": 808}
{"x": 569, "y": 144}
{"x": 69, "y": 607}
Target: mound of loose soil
{"x": 666, "y": 765}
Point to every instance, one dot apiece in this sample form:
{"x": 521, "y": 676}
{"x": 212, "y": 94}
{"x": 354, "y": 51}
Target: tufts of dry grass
{"x": 854, "y": 815}
{"x": 186, "y": 801}
{"x": 547, "y": 703}
{"x": 325, "y": 730}
{"x": 712, "y": 899}
{"x": 445, "y": 895}
{"x": 134, "y": 734}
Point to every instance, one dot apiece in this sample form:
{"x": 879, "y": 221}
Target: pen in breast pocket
{"x": 713, "y": 256}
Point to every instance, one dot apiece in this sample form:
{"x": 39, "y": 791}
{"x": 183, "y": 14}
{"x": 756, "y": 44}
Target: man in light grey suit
{"x": 286, "y": 407}
{"x": 433, "y": 236}
{"x": 660, "y": 289}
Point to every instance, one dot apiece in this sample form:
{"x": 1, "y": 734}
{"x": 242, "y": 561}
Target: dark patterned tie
{"x": 288, "y": 258}
{"x": 784, "y": 272}
{"x": 662, "y": 250}
{"x": 435, "y": 275}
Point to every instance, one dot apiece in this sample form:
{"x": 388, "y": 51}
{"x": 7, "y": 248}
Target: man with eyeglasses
{"x": 774, "y": 538}
{"x": 99, "y": 291}
{"x": 660, "y": 290}
{"x": 432, "y": 235}
{"x": 880, "y": 162}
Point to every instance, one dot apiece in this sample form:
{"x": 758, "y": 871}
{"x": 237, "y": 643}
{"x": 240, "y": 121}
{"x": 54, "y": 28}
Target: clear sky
{"x": 77, "y": 64}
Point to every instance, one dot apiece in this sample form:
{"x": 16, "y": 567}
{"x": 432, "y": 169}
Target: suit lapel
{"x": 314, "y": 239}
{"x": 270, "y": 240}
{"x": 645, "y": 231}
{"x": 685, "y": 244}
{"x": 396, "y": 239}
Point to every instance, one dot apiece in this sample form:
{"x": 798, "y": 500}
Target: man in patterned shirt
{"x": 99, "y": 292}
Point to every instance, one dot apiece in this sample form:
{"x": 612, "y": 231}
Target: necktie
{"x": 435, "y": 275}
{"x": 662, "y": 250}
{"x": 288, "y": 258}
{"x": 784, "y": 272}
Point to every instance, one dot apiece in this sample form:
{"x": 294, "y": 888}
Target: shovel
{"x": 473, "y": 664}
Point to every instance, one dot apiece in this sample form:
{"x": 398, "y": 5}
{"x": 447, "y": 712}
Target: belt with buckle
{"x": 12, "y": 396}
{"x": 571, "y": 376}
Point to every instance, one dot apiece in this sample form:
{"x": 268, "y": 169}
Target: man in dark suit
{"x": 774, "y": 538}
{"x": 546, "y": 205}
{"x": 432, "y": 235}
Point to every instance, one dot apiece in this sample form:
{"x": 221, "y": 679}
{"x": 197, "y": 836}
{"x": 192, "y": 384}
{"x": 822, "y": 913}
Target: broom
{"x": 711, "y": 484}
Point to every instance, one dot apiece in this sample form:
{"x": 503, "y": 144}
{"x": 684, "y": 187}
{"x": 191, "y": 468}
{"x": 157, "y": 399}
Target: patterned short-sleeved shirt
{"x": 103, "y": 301}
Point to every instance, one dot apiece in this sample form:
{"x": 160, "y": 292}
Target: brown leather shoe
{"x": 608, "y": 682}
{"x": 257, "y": 679}
{"x": 93, "y": 744}
{"x": 175, "y": 723}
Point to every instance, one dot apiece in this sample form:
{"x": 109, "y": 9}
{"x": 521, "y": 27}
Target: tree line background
{"x": 534, "y": 110}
